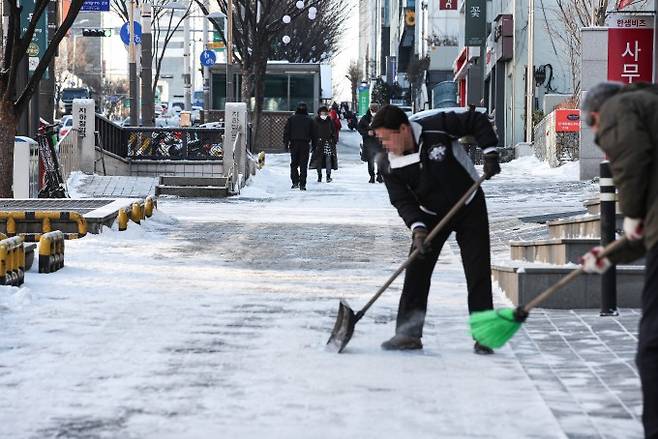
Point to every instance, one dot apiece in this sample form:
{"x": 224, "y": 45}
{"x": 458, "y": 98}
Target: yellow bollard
{"x": 3, "y": 264}
{"x": 135, "y": 213}
{"x": 122, "y": 220}
{"x": 261, "y": 160}
{"x": 45, "y": 225}
{"x": 148, "y": 207}
{"x": 11, "y": 226}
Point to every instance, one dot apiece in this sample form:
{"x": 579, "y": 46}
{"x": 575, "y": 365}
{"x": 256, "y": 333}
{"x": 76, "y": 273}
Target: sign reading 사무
{"x": 475, "y": 27}
{"x": 630, "y": 49}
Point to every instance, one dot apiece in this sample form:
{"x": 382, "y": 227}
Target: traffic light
{"x": 96, "y": 33}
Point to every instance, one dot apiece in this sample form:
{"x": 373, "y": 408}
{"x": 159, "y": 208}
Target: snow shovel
{"x": 347, "y": 318}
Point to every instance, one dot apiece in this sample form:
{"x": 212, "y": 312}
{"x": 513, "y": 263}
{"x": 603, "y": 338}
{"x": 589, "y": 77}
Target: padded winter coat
{"x": 371, "y": 145}
{"x": 628, "y": 134}
{"x": 299, "y": 128}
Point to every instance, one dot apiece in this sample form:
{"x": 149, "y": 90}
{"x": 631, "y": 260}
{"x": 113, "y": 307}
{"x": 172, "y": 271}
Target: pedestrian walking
{"x": 624, "y": 120}
{"x": 426, "y": 171}
{"x": 297, "y": 138}
{"x": 324, "y": 154}
{"x": 333, "y": 115}
{"x": 371, "y": 145}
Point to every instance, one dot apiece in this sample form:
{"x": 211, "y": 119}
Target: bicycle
{"x": 54, "y": 183}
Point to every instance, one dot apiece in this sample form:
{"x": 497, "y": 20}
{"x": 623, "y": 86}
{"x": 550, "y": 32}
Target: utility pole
{"x": 206, "y": 69}
{"x": 132, "y": 64}
{"x": 186, "y": 60}
{"x": 147, "y": 63}
{"x": 530, "y": 80}
{"x": 229, "y": 51}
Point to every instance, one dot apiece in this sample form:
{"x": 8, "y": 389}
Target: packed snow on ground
{"x": 211, "y": 318}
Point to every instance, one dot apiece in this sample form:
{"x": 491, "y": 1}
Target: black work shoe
{"x": 294, "y": 186}
{"x": 401, "y": 342}
{"x": 319, "y": 179}
{"x": 329, "y": 180}
{"x": 380, "y": 179}
{"x": 482, "y": 349}
{"x": 302, "y": 188}
{"x": 372, "y": 179}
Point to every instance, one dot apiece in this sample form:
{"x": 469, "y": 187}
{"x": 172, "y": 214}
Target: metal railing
{"x": 113, "y": 136}
{"x": 69, "y": 155}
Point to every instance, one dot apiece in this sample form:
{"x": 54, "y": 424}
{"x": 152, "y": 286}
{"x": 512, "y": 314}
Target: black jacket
{"x": 299, "y": 127}
{"x": 431, "y": 180}
{"x": 323, "y": 130}
{"x": 371, "y": 145}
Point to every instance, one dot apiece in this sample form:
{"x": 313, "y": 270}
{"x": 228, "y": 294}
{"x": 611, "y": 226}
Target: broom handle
{"x": 435, "y": 231}
{"x": 610, "y": 248}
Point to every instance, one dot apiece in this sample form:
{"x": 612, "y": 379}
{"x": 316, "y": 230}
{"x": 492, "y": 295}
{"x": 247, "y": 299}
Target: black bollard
{"x": 608, "y": 201}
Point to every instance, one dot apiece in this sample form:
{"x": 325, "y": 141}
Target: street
{"x": 211, "y": 318}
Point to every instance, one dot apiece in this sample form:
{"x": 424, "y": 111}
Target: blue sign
{"x": 137, "y": 35}
{"x": 208, "y": 58}
{"x": 96, "y": 5}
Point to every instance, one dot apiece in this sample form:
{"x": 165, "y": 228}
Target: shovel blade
{"x": 344, "y": 327}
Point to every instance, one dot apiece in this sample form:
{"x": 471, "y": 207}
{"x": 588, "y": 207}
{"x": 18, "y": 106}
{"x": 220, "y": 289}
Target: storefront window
{"x": 301, "y": 89}
{"x": 276, "y": 93}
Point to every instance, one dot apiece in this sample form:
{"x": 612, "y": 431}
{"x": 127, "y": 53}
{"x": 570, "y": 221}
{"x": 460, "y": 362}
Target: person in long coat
{"x": 324, "y": 154}
{"x": 624, "y": 120}
{"x": 371, "y": 145}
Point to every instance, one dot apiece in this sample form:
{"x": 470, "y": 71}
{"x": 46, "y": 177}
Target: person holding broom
{"x": 426, "y": 171}
{"x": 624, "y": 119}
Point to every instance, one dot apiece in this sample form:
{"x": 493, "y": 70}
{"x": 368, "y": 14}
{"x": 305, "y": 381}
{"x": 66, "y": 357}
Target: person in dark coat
{"x": 371, "y": 145}
{"x": 324, "y": 154}
{"x": 624, "y": 119}
{"x": 297, "y": 137}
{"x": 426, "y": 171}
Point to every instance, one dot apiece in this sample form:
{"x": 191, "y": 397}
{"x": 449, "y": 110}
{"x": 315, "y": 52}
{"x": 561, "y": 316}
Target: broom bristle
{"x": 494, "y": 328}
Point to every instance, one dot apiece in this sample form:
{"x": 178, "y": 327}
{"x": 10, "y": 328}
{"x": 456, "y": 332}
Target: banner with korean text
{"x": 630, "y": 48}
{"x": 448, "y": 5}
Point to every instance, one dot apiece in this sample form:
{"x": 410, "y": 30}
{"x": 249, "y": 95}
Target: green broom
{"x": 493, "y": 328}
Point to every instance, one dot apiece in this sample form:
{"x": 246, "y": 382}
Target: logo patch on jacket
{"x": 437, "y": 153}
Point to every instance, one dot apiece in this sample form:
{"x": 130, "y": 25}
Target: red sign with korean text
{"x": 567, "y": 121}
{"x": 447, "y": 5}
{"x": 630, "y": 50}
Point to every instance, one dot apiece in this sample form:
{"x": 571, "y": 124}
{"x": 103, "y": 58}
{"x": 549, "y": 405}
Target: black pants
{"x": 647, "y": 351}
{"x": 371, "y": 165}
{"x": 471, "y": 226}
{"x": 298, "y": 161}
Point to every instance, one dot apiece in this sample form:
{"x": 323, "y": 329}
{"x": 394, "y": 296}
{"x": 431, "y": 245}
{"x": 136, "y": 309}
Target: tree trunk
{"x": 8, "y": 123}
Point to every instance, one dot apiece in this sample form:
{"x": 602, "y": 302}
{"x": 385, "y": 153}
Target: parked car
{"x": 68, "y": 94}
{"x": 65, "y": 125}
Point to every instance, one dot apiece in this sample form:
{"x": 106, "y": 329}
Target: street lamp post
{"x": 206, "y": 70}
{"x": 147, "y": 65}
{"x": 187, "y": 86}
{"x": 132, "y": 65}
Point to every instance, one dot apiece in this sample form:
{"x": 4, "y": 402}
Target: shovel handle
{"x": 435, "y": 231}
{"x": 610, "y": 248}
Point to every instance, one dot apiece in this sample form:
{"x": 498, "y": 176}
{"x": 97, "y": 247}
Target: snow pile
{"x": 531, "y": 166}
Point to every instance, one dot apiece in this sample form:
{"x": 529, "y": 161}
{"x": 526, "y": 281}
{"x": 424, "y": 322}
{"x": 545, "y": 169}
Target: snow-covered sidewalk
{"x": 210, "y": 320}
